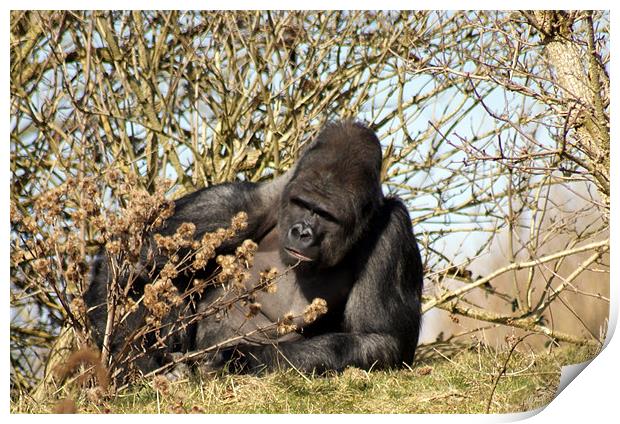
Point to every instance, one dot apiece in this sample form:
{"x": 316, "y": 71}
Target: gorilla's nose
{"x": 301, "y": 235}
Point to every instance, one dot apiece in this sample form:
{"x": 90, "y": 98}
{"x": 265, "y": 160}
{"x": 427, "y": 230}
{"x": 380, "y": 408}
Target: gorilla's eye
{"x": 314, "y": 209}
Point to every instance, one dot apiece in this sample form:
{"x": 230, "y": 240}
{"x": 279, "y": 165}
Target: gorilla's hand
{"x": 180, "y": 370}
{"x": 237, "y": 359}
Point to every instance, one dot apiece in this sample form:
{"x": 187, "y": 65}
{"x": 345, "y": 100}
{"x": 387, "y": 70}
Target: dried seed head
{"x": 266, "y": 280}
{"x": 240, "y": 279}
{"x": 99, "y": 223}
{"x": 90, "y": 204}
{"x": 16, "y": 215}
{"x": 161, "y": 384}
{"x": 49, "y": 204}
{"x": 78, "y": 307}
{"x": 199, "y": 284}
{"x": 95, "y": 394}
{"x": 65, "y": 406}
{"x": 42, "y": 266}
{"x": 79, "y": 215}
{"x": 17, "y": 256}
{"x": 200, "y": 261}
{"x": 159, "y": 297}
{"x": 75, "y": 271}
{"x": 247, "y": 249}
{"x": 30, "y": 224}
{"x": 254, "y": 309}
{"x": 112, "y": 177}
{"x": 165, "y": 243}
{"x": 186, "y": 230}
{"x": 239, "y": 222}
{"x": 317, "y": 308}
{"x": 113, "y": 247}
{"x": 178, "y": 408}
{"x": 283, "y": 328}
{"x": 168, "y": 272}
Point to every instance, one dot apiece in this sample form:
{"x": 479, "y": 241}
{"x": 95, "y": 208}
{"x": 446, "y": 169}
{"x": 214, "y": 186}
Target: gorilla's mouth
{"x": 294, "y": 253}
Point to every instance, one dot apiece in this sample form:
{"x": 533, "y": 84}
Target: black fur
{"x": 351, "y": 246}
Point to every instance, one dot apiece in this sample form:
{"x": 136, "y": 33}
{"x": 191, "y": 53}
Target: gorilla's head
{"x": 334, "y": 191}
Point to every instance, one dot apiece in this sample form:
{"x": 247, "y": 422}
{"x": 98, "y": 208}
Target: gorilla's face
{"x": 329, "y": 200}
{"x": 312, "y": 227}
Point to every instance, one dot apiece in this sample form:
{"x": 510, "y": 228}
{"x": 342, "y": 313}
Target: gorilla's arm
{"x": 382, "y": 316}
{"x": 213, "y": 207}
{"x": 208, "y": 209}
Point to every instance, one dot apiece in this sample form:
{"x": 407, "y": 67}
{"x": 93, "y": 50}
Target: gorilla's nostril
{"x": 301, "y": 233}
{"x": 296, "y": 231}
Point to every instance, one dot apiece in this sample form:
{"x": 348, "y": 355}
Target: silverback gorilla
{"x": 346, "y": 243}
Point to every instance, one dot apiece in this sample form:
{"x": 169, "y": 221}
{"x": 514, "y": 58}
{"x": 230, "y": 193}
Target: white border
{"x": 592, "y": 397}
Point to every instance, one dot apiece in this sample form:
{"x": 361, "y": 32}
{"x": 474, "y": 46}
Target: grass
{"x": 462, "y": 383}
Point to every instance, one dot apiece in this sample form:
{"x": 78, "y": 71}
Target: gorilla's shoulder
{"x": 395, "y": 214}
{"x": 225, "y": 189}
{"x": 396, "y": 204}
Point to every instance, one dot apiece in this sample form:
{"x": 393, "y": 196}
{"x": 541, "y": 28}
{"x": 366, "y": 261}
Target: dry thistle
{"x": 78, "y": 307}
{"x": 89, "y": 205}
{"x": 199, "y": 284}
{"x": 49, "y": 205}
{"x": 41, "y": 266}
{"x": 161, "y": 384}
{"x": 183, "y": 237}
{"x": 95, "y": 395}
{"x": 228, "y": 265}
{"x": 211, "y": 241}
{"x": 112, "y": 177}
{"x": 266, "y": 280}
{"x": 168, "y": 272}
{"x": 208, "y": 244}
{"x": 239, "y": 221}
{"x": 166, "y": 211}
{"x": 65, "y": 406}
{"x": 30, "y": 224}
{"x": 79, "y": 215}
{"x": 233, "y": 269}
{"x": 165, "y": 243}
{"x": 18, "y": 255}
{"x": 73, "y": 247}
{"x": 317, "y": 308}
{"x": 15, "y": 214}
{"x": 201, "y": 258}
{"x": 246, "y": 252}
{"x": 240, "y": 279}
{"x": 424, "y": 370}
{"x": 178, "y": 407}
{"x": 159, "y": 297}
{"x": 186, "y": 231}
{"x": 113, "y": 247}
{"x": 75, "y": 271}
{"x": 286, "y": 325}
{"x": 254, "y": 309}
